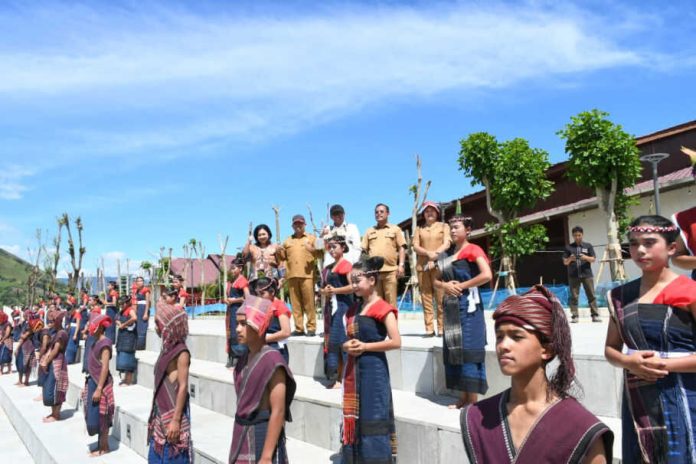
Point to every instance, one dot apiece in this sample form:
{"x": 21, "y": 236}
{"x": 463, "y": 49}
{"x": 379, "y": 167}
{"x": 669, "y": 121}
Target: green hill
{"x": 14, "y": 273}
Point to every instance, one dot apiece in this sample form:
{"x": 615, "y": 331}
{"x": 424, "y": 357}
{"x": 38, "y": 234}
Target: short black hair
{"x": 577, "y": 229}
{"x": 259, "y": 228}
{"x": 382, "y": 204}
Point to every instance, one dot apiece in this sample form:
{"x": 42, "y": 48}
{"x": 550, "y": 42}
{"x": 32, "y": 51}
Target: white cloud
{"x": 11, "y": 181}
{"x": 204, "y": 79}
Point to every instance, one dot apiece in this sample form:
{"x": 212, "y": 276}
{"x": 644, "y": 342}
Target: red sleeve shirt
{"x": 380, "y": 309}
{"x": 280, "y": 308}
{"x": 472, "y": 252}
{"x": 240, "y": 283}
{"x": 343, "y": 268}
{"x": 679, "y": 293}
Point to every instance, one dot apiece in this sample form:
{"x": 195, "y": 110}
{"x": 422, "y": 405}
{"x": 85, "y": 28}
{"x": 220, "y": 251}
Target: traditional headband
{"x": 271, "y": 282}
{"x": 652, "y": 229}
{"x": 460, "y": 218}
{"x": 360, "y": 272}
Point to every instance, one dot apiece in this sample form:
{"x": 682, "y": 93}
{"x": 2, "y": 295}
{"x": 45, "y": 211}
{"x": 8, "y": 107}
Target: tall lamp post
{"x": 654, "y": 159}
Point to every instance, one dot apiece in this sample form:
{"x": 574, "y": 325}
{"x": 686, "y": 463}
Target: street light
{"x": 654, "y": 159}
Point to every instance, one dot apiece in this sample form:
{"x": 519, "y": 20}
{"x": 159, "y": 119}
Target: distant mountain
{"x": 14, "y": 274}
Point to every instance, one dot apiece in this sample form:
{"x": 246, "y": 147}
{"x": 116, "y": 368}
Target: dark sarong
{"x": 335, "y": 310}
{"x": 26, "y": 357}
{"x": 565, "y": 432}
{"x": 6, "y": 345}
{"x": 110, "y": 331}
{"x": 657, "y": 417}
{"x": 141, "y": 326}
{"x": 251, "y": 377}
{"x": 55, "y": 385}
{"x": 73, "y": 344}
{"x": 98, "y": 416}
{"x": 375, "y": 431}
{"x": 85, "y": 354}
{"x": 125, "y": 346}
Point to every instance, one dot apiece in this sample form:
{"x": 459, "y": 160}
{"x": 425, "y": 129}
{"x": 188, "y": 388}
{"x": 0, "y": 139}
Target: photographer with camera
{"x": 578, "y": 257}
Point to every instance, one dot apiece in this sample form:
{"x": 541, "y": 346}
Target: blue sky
{"x": 160, "y": 122}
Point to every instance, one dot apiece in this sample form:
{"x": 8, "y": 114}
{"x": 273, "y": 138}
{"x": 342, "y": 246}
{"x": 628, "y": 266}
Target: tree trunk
{"x": 607, "y": 199}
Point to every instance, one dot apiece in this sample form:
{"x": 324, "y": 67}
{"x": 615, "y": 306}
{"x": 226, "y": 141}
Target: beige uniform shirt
{"x": 385, "y": 242}
{"x": 300, "y": 261}
{"x": 431, "y": 238}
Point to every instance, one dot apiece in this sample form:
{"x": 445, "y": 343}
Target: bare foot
{"x": 458, "y": 405}
{"x": 22, "y": 385}
{"x": 336, "y": 386}
{"x": 49, "y": 419}
{"x": 97, "y": 453}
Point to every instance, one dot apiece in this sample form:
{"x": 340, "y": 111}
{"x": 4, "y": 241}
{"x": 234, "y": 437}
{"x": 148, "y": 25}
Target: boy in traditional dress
{"x": 55, "y": 384}
{"x": 169, "y": 426}
{"x": 536, "y": 420}
{"x": 265, "y": 388}
{"x": 98, "y": 394}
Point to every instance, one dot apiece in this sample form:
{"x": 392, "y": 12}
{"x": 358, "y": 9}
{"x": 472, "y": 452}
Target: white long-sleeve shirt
{"x": 353, "y": 240}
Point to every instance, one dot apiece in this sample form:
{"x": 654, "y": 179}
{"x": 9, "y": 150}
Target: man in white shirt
{"x": 349, "y": 231}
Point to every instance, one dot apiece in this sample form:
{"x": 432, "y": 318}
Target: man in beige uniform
{"x": 386, "y": 240}
{"x": 431, "y": 239}
{"x": 299, "y": 252}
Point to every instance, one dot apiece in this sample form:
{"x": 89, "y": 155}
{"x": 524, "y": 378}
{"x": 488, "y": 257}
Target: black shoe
{"x": 429, "y": 335}
{"x": 596, "y": 319}
{"x": 311, "y": 334}
{"x": 574, "y": 320}
{"x": 230, "y": 362}
{"x": 297, "y": 333}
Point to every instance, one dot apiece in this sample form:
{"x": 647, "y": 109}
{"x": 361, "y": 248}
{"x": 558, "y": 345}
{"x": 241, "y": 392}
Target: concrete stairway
{"x": 427, "y": 431}
{"x": 63, "y": 442}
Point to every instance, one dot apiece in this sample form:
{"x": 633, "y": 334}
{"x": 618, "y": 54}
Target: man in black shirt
{"x": 578, "y": 257}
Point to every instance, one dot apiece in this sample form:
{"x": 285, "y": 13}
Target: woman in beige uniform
{"x": 431, "y": 239}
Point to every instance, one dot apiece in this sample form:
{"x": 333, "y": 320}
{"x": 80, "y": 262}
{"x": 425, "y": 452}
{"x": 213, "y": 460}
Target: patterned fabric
{"x": 251, "y": 377}
{"x": 3, "y": 318}
{"x": 56, "y": 385}
{"x": 172, "y": 322}
{"x": 369, "y": 433}
{"x": 566, "y": 424}
{"x": 164, "y": 397}
{"x": 533, "y": 310}
{"x": 234, "y": 290}
{"x": 258, "y": 313}
{"x": 335, "y": 310}
{"x": 98, "y": 320}
{"x": 657, "y": 417}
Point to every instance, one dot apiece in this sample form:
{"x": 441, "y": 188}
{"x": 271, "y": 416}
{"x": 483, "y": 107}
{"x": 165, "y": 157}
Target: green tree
{"x": 603, "y": 157}
{"x": 514, "y": 176}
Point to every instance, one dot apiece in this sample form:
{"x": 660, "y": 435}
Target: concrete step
{"x": 12, "y": 444}
{"x": 63, "y": 442}
{"x": 417, "y": 367}
{"x": 211, "y": 430}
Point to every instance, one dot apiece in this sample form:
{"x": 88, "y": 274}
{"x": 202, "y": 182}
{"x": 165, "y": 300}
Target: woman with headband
{"x": 651, "y": 337}
{"x": 98, "y": 394}
{"x": 536, "y": 420}
{"x": 460, "y": 272}
{"x": 338, "y": 292}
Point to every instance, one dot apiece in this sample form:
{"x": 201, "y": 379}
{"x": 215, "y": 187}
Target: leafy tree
{"x": 605, "y": 158}
{"x": 514, "y": 176}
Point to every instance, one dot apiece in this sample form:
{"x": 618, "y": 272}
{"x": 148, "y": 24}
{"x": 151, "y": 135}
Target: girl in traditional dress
{"x": 261, "y": 253}
{"x": 55, "y": 384}
{"x": 74, "y": 318}
{"x": 94, "y": 307}
{"x": 369, "y": 434}
{"x": 265, "y": 389}
{"x": 536, "y": 420}
{"x": 278, "y": 330}
{"x": 112, "y": 309}
{"x": 45, "y": 338}
{"x": 26, "y": 353}
{"x": 338, "y": 292}
{"x": 430, "y": 240}
{"x": 653, "y": 318}
{"x": 169, "y": 426}
{"x": 16, "y": 324}
{"x": 141, "y": 298}
{"x": 237, "y": 290}
{"x": 126, "y": 340}
{"x": 6, "y": 344}
{"x": 182, "y": 294}
{"x": 460, "y": 272}
{"x": 98, "y": 394}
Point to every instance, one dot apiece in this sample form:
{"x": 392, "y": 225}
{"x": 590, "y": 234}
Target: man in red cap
{"x": 300, "y": 251}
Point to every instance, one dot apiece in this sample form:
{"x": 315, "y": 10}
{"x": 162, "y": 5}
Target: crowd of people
{"x": 650, "y": 337}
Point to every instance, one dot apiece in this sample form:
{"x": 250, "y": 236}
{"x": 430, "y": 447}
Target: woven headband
{"x": 652, "y": 229}
{"x": 460, "y": 218}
